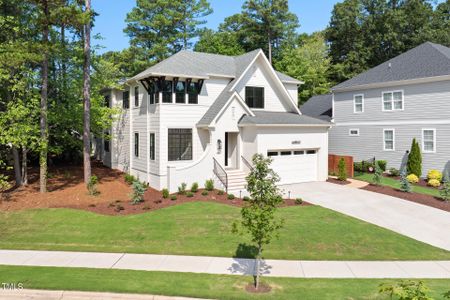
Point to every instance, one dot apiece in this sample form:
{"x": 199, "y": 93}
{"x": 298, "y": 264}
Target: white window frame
{"x": 392, "y": 101}
{"x": 353, "y": 129}
{"x": 384, "y": 139}
{"x": 362, "y": 103}
{"x": 434, "y": 140}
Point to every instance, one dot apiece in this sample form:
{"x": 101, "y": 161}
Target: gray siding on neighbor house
{"x": 427, "y": 101}
{"x": 426, "y": 106}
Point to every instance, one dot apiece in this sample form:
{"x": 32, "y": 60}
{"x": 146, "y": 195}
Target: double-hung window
{"x": 180, "y": 144}
{"x": 254, "y": 96}
{"x": 393, "y": 101}
{"x": 136, "y": 144}
{"x": 358, "y": 103}
{"x": 126, "y": 100}
{"x": 167, "y": 91}
{"x": 429, "y": 140}
{"x": 180, "y": 92}
{"x": 136, "y": 96}
{"x": 152, "y": 146}
{"x": 389, "y": 140}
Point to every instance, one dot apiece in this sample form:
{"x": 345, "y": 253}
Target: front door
{"x": 231, "y": 150}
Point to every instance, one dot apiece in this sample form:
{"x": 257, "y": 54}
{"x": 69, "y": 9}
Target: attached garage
{"x": 294, "y": 166}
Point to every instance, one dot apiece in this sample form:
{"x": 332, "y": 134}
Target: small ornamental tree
{"x": 406, "y": 290}
{"x": 414, "y": 165}
{"x": 445, "y": 192}
{"x": 405, "y": 186}
{"x": 342, "y": 171}
{"x": 377, "y": 175}
{"x": 258, "y": 215}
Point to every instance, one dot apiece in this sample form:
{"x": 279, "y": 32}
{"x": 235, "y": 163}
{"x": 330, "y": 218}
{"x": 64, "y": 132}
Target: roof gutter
{"x": 285, "y": 125}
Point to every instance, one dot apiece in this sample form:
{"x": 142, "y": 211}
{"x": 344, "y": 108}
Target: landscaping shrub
{"x": 209, "y": 185}
{"x": 205, "y": 193}
{"x": 434, "y": 183}
{"x": 406, "y": 290}
{"x": 382, "y": 164}
{"x": 220, "y": 192}
{"x": 414, "y": 165}
{"x": 378, "y": 174}
{"x": 230, "y": 197}
{"x": 412, "y": 178}
{"x": 363, "y": 166}
{"x": 405, "y": 186}
{"x": 129, "y": 179}
{"x": 173, "y": 197}
{"x": 357, "y": 166}
{"x": 342, "y": 172}
{"x": 394, "y": 172}
{"x": 246, "y": 198}
{"x": 434, "y": 174}
{"x": 189, "y": 194}
{"x": 182, "y": 189}
{"x": 298, "y": 201}
{"x": 138, "y": 192}
{"x": 165, "y": 193}
{"x": 92, "y": 186}
{"x": 194, "y": 187}
{"x": 445, "y": 192}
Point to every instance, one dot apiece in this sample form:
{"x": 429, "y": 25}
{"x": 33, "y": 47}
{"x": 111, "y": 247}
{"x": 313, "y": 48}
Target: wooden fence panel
{"x": 333, "y": 161}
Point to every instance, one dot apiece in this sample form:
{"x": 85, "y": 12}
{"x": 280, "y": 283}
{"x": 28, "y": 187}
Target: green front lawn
{"x": 394, "y": 183}
{"x": 200, "y": 228}
{"x": 198, "y": 285}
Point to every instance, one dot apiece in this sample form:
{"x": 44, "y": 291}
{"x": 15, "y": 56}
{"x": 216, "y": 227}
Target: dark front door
{"x": 226, "y": 149}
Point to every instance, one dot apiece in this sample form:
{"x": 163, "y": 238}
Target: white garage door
{"x": 294, "y": 166}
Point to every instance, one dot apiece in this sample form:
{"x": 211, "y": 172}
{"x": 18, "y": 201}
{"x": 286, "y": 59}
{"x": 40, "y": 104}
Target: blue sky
{"x": 313, "y": 15}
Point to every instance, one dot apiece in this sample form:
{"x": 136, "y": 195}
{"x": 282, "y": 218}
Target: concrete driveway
{"x": 420, "y": 222}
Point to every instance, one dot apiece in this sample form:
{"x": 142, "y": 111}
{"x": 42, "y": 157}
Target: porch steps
{"x": 236, "y": 181}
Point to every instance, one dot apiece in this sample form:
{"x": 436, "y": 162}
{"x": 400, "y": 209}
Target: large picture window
{"x": 254, "y": 97}
{"x": 180, "y": 92}
{"x": 180, "y": 144}
{"x": 167, "y": 91}
{"x": 152, "y": 146}
{"x": 126, "y": 99}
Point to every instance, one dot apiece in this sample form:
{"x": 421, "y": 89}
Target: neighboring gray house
{"x": 379, "y": 112}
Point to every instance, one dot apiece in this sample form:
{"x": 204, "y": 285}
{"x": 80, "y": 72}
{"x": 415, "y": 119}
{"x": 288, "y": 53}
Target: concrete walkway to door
{"x": 420, "y": 222}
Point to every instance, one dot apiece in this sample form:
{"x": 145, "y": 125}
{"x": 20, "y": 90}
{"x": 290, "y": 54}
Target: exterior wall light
{"x": 219, "y": 145}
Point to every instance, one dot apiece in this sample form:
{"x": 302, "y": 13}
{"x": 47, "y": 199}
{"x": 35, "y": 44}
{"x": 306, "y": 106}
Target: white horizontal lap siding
{"x": 292, "y": 90}
{"x": 427, "y": 101}
{"x": 211, "y": 90}
{"x": 297, "y": 138}
{"x": 258, "y": 76}
{"x": 370, "y": 141}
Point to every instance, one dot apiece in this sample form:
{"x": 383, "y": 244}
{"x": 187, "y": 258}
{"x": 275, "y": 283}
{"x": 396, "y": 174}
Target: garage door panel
{"x": 295, "y": 168}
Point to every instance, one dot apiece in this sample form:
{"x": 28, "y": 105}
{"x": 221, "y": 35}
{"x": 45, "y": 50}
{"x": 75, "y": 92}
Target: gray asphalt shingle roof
{"x": 425, "y": 60}
{"x": 280, "y": 118}
{"x": 198, "y": 64}
{"x": 319, "y": 106}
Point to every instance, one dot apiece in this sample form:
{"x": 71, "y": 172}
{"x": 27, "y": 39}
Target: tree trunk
{"x": 44, "y": 94}
{"x": 17, "y": 172}
{"x": 24, "y": 166}
{"x": 87, "y": 98}
{"x": 258, "y": 268}
{"x": 270, "y": 47}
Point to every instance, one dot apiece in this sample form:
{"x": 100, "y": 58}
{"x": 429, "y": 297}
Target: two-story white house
{"x": 379, "y": 112}
{"x": 197, "y": 116}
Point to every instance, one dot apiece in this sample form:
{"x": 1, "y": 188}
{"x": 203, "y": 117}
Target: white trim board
{"x": 398, "y": 122}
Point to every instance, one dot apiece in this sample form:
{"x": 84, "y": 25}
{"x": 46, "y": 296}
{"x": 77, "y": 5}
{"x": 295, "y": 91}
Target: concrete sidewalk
{"x": 423, "y": 223}
{"x": 228, "y": 266}
{"x": 74, "y": 295}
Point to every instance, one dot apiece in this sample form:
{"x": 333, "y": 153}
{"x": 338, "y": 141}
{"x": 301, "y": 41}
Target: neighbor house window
{"x": 429, "y": 140}
{"x": 353, "y": 132}
{"x": 126, "y": 99}
{"x": 167, "y": 91}
{"x": 180, "y": 144}
{"x": 254, "y": 97}
{"x": 152, "y": 146}
{"x": 358, "y": 103}
{"x": 193, "y": 92}
{"x": 180, "y": 92}
{"x": 136, "y": 144}
{"x": 392, "y": 101}
{"x": 389, "y": 140}
{"x": 136, "y": 96}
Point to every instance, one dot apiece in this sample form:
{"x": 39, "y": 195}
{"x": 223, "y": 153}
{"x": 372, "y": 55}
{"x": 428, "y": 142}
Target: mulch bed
{"x": 337, "y": 181}
{"x": 422, "y": 182}
{"x": 263, "y": 288}
{"x": 66, "y": 189}
{"x": 413, "y": 197}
